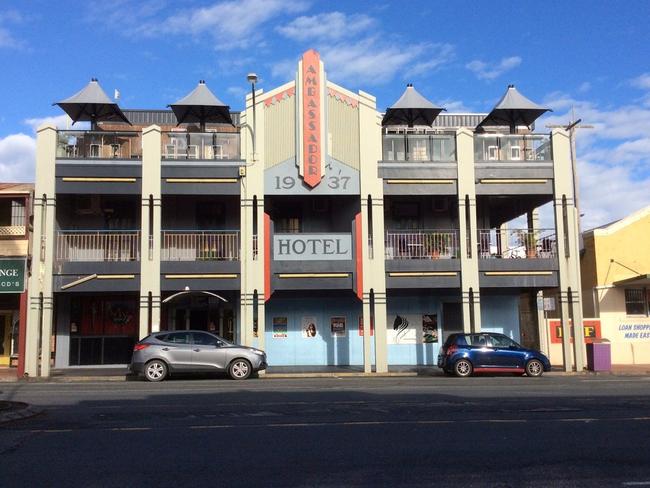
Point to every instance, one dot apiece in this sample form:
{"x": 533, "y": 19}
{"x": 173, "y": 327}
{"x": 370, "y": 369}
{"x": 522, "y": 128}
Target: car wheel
{"x": 240, "y": 369}
{"x": 463, "y": 368}
{"x": 155, "y": 370}
{"x": 534, "y": 368}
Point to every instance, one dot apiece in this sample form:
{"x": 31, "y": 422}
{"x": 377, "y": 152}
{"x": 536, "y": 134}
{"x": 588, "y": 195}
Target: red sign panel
{"x": 591, "y": 330}
{"x": 311, "y": 111}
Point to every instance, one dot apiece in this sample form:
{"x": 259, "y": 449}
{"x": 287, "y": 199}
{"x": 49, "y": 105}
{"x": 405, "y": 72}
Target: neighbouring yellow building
{"x": 616, "y": 285}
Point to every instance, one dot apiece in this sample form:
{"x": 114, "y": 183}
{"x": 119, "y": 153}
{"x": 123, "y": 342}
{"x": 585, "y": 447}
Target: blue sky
{"x": 589, "y": 57}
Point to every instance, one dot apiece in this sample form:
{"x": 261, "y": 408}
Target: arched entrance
{"x": 199, "y": 310}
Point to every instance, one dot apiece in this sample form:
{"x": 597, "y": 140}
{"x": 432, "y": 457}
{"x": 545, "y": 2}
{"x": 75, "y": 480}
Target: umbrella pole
{"x": 406, "y": 146}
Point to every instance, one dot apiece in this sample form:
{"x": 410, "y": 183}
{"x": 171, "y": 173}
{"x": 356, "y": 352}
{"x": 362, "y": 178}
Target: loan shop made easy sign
{"x": 12, "y": 275}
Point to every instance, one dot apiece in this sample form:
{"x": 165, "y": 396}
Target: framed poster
{"x": 279, "y": 327}
{"x": 309, "y": 330}
{"x": 337, "y": 325}
{"x": 430, "y": 327}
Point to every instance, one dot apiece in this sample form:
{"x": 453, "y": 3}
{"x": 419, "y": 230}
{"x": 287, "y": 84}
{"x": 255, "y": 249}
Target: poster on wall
{"x": 372, "y": 326}
{"x": 404, "y": 329}
{"x": 430, "y": 327}
{"x": 279, "y": 327}
{"x": 337, "y": 325}
{"x": 309, "y": 329}
{"x": 591, "y": 329}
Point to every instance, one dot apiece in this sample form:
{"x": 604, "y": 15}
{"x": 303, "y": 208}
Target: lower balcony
{"x": 98, "y": 246}
{"x": 422, "y": 244}
{"x": 199, "y": 245}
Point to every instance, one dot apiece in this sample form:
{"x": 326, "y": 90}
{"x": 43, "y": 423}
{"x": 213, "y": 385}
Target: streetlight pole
{"x": 252, "y": 79}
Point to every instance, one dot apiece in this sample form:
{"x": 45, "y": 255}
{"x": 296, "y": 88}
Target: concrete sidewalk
{"x": 71, "y": 375}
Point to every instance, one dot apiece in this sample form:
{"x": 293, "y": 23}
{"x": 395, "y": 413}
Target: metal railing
{"x": 86, "y": 144}
{"x": 422, "y": 244}
{"x": 195, "y": 245}
{"x": 504, "y": 147}
{"x": 200, "y": 145}
{"x": 517, "y": 243}
{"x": 419, "y": 147}
{"x": 98, "y": 245}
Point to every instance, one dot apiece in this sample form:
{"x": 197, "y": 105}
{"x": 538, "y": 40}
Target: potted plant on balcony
{"x": 527, "y": 241}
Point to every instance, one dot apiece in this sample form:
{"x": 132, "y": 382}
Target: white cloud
{"x": 642, "y": 81}
{"x": 7, "y": 39}
{"x": 232, "y": 24}
{"x": 613, "y": 157}
{"x": 331, "y": 26}
{"x": 485, "y": 71}
{"x": 59, "y": 121}
{"x": 17, "y": 157}
{"x": 454, "y": 106}
{"x": 584, "y": 87}
{"x": 436, "y": 56}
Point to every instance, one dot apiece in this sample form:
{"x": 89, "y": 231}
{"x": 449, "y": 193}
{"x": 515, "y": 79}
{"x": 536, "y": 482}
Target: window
{"x": 176, "y": 338}
{"x": 635, "y": 301}
{"x": 499, "y": 340}
{"x": 202, "y": 339}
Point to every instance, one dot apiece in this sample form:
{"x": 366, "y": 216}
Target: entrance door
{"x": 452, "y": 319}
{"x": 5, "y": 339}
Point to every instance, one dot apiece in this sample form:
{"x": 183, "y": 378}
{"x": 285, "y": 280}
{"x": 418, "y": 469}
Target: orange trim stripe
{"x": 267, "y": 257}
{"x": 359, "y": 255}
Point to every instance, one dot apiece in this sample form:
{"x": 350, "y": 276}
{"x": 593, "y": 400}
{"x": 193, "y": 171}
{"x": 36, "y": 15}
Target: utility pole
{"x": 571, "y": 128}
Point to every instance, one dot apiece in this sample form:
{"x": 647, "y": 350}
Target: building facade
{"x": 309, "y": 230}
{"x": 616, "y": 285}
{"x": 15, "y": 212}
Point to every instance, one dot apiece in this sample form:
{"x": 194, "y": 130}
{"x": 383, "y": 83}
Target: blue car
{"x": 464, "y": 354}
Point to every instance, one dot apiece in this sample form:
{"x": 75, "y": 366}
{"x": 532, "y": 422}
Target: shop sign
{"x": 279, "y": 325}
{"x": 634, "y": 331}
{"x": 337, "y": 326}
{"x": 312, "y": 247}
{"x": 12, "y": 275}
{"x": 591, "y": 330}
{"x": 311, "y": 118}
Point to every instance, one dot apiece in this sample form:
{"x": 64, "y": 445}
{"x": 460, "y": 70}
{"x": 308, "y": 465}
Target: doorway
{"x": 5, "y": 338}
{"x": 452, "y": 319}
{"x": 201, "y": 312}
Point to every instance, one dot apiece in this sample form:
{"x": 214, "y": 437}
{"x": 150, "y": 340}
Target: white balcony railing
{"x": 81, "y": 246}
{"x": 422, "y": 244}
{"x": 12, "y": 230}
{"x": 193, "y": 245}
{"x": 517, "y": 243}
{"x": 503, "y": 147}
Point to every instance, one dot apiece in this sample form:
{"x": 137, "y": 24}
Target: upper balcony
{"x": 98, "y": 144}
{"x": 508, "y": 147}
{"x": 418, "y": 147}
{"x": 201, "y": 146}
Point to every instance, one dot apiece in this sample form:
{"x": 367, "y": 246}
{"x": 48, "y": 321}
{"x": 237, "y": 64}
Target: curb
{"x": 19, "y": 414}
{"x": 274, "y": 376}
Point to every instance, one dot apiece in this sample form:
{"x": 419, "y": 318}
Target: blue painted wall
{"x": 500, "y": 313}
{"x": 322, "y": 350}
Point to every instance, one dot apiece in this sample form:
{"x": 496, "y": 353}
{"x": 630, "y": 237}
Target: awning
{"x": 411, "y": 109}
{"x": 513, "y": 110}
{"x": 201, "y": 106}
{"x": 92, "y": 105}
{"x": 640, "y": 280}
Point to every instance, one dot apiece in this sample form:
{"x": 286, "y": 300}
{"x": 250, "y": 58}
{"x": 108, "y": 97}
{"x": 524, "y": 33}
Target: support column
{"x": 566, "y": 228}
{"x": 541, "y": 324}
{"x": 373, "y": 252}
{"x": 22, "y": 333}
{"x": 150, "y": 237}
{"x": 470, "y": 284}
{"x": 39, "y": 314}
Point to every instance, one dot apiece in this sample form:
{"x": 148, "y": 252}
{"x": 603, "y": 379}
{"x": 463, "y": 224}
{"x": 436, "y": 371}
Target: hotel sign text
{"x": 312, "y": 247}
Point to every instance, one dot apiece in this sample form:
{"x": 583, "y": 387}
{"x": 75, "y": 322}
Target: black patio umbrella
{"x": 92, "y": 105}
{"x": 411, "y": 109}
{"x": 513, "y": 110}
{"x": 201, "y": 106}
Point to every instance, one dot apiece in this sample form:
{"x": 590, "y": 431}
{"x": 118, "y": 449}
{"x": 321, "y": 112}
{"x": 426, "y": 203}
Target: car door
{"x": 481, "y": 351}
{"x": 177, "y": 350}
{"x": 208, "y": 352}
{"x": 507, "y": 353}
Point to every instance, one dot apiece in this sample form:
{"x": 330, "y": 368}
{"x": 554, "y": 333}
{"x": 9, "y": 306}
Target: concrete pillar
{"x": 252, "y": 189}
{"x": 541, "y": 323}
{"x": 566, "y": 228}
{"x": 150, "y": 238}
{"x": 39, "y": 315}
{"x": 470, "y": 287}
{"x": 373, "y": 264}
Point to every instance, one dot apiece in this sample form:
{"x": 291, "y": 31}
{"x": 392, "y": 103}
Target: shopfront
{"x": 12, "y": 288}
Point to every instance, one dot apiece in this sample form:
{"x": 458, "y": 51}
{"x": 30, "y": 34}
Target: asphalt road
{"x": 424, "y": 431}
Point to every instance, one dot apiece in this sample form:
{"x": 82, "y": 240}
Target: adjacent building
{"x": 616, "y": 285}
{"x": 15, "y": 212}
{"x": 307, "y": 227}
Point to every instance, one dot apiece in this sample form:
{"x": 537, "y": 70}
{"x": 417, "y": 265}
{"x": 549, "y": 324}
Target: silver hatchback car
{"x": 193, "y": 351}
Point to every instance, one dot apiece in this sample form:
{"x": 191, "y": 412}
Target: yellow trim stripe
{"x": 420, "y": 181}
{"x": 313, "y": 275}
{"x": 199, "y": 276}
{"x": 201, "y": 180}
{"x": 116, "y": 277}
{"x": 407, "y": 274}
{"x": 518, "y": 273}
{"x": 98, "y": 180}
{"x": 513, "y": 181}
